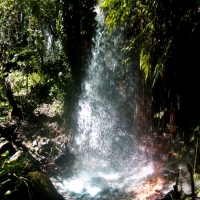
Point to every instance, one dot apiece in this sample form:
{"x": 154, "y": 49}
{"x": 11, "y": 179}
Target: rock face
{"x": 43, "y": 188}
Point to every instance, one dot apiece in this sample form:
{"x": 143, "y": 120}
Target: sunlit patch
{"x": 74, "y": 185}
{"x": 85, "y": 112}
{"x": 79, "y": 186}
{"x": 80, "y": 139}
{"x": 140, "y": 173}
{"x": 110, "y": 177}
{"x": 87, "y": 87}
{"x": 93, "y": 190}
{"x": 143, "y": 182}
{"x": 93, "y": 142}
{"x": 146, "y": 189}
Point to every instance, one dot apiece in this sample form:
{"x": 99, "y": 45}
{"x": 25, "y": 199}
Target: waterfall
{"x": 106, "y": 154}
{"x": 105, "y": 112}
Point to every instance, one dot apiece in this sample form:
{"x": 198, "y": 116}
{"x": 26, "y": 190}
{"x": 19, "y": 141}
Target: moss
{"x": 43, "y": 187}
{"x": 13, "y": 177}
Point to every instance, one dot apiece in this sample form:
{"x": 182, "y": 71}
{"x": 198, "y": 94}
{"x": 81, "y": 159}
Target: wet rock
{"x": 115, "y": 190}
{"x": 104, "y": 192}
{"x": 43, "y": 187}
{"x": 64, "y": 159}
{"x": 85, "y": 196}
{"x": 170, "y": 175}
{"x": 46, "y": 142}
{"x": 61, "y": 160}
{"x": 46, "y": 146}
{"x": 124, "y": 195}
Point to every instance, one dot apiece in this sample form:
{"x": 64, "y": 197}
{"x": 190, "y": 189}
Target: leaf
{"x": 160, "y": 63}
{"x": 2, "y": 172}
{"x": 8, "y": 192}
{"x": 145, "y": 62}
{"x": 6, "y": 153}
{"x": 2, "y": 183}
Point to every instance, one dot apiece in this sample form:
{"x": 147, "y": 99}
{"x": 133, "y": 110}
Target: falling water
{"x": 105, "y": 112}
{"x": 105, "y": 152}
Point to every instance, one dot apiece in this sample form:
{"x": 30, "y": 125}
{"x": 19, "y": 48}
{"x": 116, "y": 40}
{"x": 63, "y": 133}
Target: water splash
{"x": 102, "y": 185}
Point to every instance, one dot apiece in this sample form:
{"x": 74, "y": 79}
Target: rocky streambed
{"x": 36, "y": 163}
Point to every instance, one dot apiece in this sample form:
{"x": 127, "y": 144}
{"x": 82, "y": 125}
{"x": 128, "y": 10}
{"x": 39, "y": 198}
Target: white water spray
{"x": 105, "y": 153}
{"x": 105, "y": 112}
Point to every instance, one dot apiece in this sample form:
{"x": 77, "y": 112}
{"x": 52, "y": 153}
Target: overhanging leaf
{"x": 160, "y": 63}
{"x": 2, "y": 183}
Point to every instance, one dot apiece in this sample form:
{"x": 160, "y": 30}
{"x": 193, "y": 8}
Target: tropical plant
{"x": 156, "y": 25}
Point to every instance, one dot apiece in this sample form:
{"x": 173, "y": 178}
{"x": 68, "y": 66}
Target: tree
{"x": 78, "y": 25}
{"x": 44, "y": 46}
{"x": 32, "y": 60}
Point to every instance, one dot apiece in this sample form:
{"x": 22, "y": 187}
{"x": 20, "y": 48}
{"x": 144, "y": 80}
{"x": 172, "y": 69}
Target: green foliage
{"x": 4, "y": 105}
{"x": 31, "y": 52}
{"x": 196, "y": 177}
{"x": 197, "y": 128}
{"x": 145, "y": 63}
{"x": 22, "y": 83}
{"x": 118, "y": 11}
{"x": 153, "y": 26}
{"x": 42, "y": 45}
{"x": 160, "y": 65}
{"x": 139, "y": 15}
{"x": 194, "y": 129}
{"x": 10, "y": 175}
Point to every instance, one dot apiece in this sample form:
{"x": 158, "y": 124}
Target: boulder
{"x": 42, "y": 187}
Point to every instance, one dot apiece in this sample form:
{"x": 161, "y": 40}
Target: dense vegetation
{"x": 45, "y": 46}
{"x": 167, "y": 36}
{"x": 42, "y": 44}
